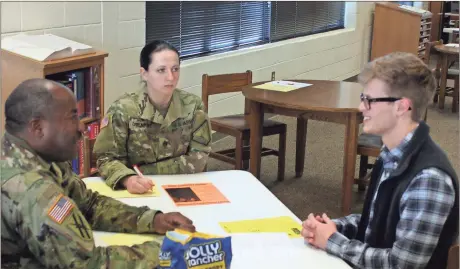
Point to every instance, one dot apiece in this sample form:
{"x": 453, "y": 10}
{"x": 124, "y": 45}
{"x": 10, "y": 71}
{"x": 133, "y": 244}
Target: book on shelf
{"x": 80, "y": 93}
{"x": 44, "y": 47}
{"x": 78, "y": 162}
{"x": 92, "y": 92}
{"x": 85, "y": 85}
{"x": 92, "y": 132}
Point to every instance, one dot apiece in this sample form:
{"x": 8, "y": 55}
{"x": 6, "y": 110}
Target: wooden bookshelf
{"x": 17, "y": 68}
{"x": 398, "y": 29}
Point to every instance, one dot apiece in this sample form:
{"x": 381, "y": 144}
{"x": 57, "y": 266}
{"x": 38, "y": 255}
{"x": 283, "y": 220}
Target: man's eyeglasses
{"x": 367, "y": 101}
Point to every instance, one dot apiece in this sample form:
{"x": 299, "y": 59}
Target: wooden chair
{"x": 455, "y": 35}
{"x": 369, "y": 145}
{"x": 453, "y": 259}
{"x": 451, "y": 74}
{"x": 237, "y": 125}
{"x": 89, "y": 157}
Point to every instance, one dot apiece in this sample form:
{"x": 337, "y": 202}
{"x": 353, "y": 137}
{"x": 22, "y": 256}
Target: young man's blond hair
{"x": 406, "y": 76}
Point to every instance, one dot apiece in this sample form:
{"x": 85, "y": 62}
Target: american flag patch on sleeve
{"x": 60, "y": 209}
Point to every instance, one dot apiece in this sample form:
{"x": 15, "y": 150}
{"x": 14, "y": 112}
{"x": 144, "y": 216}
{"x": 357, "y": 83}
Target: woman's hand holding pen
{"x": 138, "y": 184}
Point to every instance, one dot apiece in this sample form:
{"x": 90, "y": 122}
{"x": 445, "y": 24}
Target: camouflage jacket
{"x": 135, "y": 133}
{"x": 48, "y": 216}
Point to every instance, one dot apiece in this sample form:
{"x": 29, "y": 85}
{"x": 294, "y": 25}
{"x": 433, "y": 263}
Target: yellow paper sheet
{"x": 283, "y": 224}
{"x": 122, "y": 239}
{"x": 272, "y": 87}
{"x": 105, "y": 190}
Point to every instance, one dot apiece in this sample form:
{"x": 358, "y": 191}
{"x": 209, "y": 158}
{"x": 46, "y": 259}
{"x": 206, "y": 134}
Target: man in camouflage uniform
{"x": 134, "y": 132}
{"x": 47, "y": 212}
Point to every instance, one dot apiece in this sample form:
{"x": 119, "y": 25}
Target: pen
{"x": 138, "y": 172}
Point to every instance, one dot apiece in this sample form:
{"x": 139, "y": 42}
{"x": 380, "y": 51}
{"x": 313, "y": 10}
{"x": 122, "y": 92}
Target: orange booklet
{"x": 195, "y": 194}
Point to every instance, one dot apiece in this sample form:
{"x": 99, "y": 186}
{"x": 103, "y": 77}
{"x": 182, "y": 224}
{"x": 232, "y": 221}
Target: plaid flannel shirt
{"x": 424, "y": 207}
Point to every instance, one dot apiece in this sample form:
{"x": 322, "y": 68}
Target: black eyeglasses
{"x": 367, "y": 101}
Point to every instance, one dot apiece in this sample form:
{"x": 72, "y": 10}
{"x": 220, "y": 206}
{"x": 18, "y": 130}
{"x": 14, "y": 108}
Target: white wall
{"x": 119, "y": 28}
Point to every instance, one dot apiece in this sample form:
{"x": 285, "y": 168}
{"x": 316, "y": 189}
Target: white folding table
{"x": 249, "y": 199}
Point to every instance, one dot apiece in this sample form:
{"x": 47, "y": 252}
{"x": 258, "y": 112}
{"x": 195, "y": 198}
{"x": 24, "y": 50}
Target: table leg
{"x": 455, "y": 96}
{"x": 255, "y": 118}
{"x": 245, "y": 162}
{"x": 301, "y": 140}
{"x": 442, "y": 87}
{"x": 349, "y": 161}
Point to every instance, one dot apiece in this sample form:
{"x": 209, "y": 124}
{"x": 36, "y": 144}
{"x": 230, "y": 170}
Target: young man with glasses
{"x": 410, "y": 214}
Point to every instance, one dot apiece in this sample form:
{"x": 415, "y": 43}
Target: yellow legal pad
{"x": 122, "y": 239}
{"x": 282, "y": 224}
{"x": 105, "y": 190}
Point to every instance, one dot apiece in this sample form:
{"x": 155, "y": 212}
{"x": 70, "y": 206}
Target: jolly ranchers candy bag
{"x": 185, "y": 250}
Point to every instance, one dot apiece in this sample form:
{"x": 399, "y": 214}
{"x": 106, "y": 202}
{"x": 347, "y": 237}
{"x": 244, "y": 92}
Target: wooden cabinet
{"x": 399, "y": 29}
{"x": 89, "y": 67}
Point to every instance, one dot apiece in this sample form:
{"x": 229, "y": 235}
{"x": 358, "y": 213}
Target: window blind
{"x": 202, "y": 27}
{"x": 291, "y": 19}
{"x": 199, "y": 28}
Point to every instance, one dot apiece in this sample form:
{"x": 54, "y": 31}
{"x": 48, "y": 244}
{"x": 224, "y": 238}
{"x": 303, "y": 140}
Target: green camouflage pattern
{"x": 30, "y": 188}
{"x": 135, "y": 133}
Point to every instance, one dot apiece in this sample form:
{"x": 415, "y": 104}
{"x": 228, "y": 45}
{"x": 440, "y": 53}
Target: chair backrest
{"x": 429, "y": 50}
{"x": 224, "y": 83}
{"x": 88, "y": 155}
{"x": 455, "y": 36}
{"x": 452, "y": 260}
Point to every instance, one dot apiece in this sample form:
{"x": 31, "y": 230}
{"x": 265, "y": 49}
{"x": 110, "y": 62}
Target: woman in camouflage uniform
{"x": 161, "y": 129}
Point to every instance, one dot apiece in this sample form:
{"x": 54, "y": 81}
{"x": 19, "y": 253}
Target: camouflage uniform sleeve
{"x": 107, "y": 214}
{"x": 194, "y": 161}
{"x": 110, "y": 148}
{"x": 58, "y": 235}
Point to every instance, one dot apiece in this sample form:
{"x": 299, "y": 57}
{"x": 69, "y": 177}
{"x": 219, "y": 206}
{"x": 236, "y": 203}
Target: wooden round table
{"x": 448, "y": 54}
{"x": 331, "y": 101}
